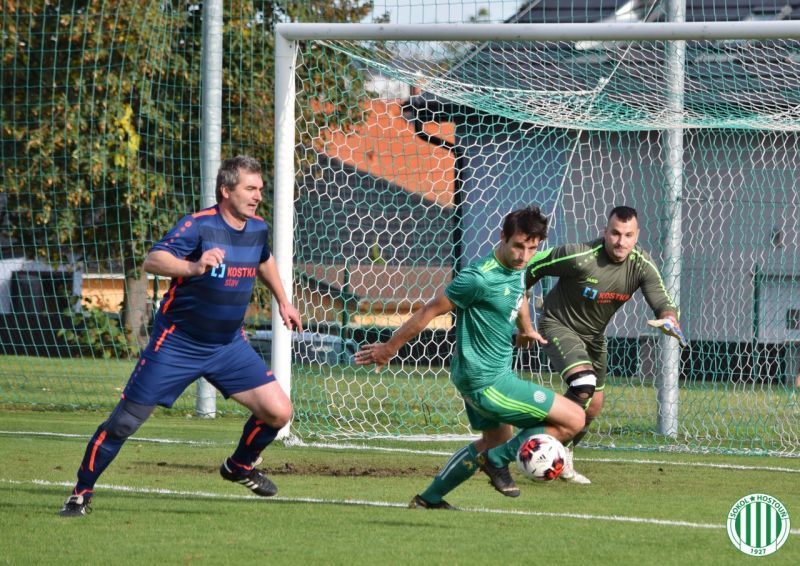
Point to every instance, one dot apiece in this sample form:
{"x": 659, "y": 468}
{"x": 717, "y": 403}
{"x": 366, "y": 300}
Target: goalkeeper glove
{"x": 670, "y": 327}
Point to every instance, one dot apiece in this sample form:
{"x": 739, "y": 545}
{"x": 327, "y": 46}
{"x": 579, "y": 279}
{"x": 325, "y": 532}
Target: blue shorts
{"x": 172, "y": 361}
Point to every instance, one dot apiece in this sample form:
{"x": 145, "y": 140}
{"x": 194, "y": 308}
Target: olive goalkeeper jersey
{"x": 591, "y": 287}
{"x": 487, "y": 296}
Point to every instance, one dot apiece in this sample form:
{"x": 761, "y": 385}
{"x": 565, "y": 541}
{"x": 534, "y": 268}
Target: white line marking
{"x": 693, "y": 464}
{"x": 134, "y": 438}
{"x": 297, "y": 442}
{"x": 388, "y": 504}
{"x": 294, "y": 441}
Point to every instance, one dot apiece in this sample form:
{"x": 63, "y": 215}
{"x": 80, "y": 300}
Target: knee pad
{"x": 126, "y": 418}
{"x": 580, "y": 387}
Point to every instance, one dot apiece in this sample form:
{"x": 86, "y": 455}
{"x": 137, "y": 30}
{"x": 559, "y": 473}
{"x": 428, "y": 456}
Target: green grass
{"x": 322, "y": 512}
{"x": 721, "y": 417}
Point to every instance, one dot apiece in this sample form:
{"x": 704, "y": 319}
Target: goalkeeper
{"x": 487, "y": 296}
{"x": 594, "y": 280}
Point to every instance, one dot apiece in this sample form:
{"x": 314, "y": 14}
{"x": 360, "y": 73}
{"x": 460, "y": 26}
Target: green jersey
{"x": 591, "y": 287}
{"x": 487, "y": 296}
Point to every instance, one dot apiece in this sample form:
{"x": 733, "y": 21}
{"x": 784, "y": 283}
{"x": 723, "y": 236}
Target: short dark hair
{"x": 529, "y": 220}
{"x": 228, "y": 173}
{"x": 623, "y": 213}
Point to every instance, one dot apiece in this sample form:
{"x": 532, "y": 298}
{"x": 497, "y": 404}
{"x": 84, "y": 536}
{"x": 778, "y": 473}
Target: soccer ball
{"x": 541, "y": 457}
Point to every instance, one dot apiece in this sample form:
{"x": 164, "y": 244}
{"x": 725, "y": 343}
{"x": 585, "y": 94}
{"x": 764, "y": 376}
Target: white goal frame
{"x": 676, "y": 32}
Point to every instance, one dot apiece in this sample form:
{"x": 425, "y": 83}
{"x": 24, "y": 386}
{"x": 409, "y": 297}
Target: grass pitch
{"x": 720, "y": 417}
{"x": 165, "y": 503}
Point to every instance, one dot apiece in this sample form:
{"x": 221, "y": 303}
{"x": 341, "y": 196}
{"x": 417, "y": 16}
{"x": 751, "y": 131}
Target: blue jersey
{"x": 211, "y": 307}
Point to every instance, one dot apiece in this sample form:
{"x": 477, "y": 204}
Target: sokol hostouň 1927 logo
{"x": 758, "y": 524}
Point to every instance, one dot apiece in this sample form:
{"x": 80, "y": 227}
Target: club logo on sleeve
{"x": 758, "y": 524}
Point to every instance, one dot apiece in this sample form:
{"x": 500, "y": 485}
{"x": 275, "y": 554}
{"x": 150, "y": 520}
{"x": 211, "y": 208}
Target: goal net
{"x": 446, "y": 137}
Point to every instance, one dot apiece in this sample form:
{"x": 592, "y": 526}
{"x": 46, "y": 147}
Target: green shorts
{"x": 566, "y": 349}
{"x": 509, "y": 400}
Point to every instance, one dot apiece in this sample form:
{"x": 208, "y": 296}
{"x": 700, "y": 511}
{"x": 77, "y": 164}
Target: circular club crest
{"x": 758, "y": 524}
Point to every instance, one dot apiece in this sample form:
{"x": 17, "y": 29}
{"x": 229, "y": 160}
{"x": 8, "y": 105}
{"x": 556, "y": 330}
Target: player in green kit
{"x": 486, "y": 297}
{"x": 594, "y": 280}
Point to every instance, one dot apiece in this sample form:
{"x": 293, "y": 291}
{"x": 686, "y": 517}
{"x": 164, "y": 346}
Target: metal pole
{"x": 598, "y": 31}
{"x": 758, "y": 278}
{"x": 344, "y": 330}
{"x": 668, "y": 382}
{"x": 283, "y": 205}
{"x": 210, "y": 145}
{"x": 459, "y": 155}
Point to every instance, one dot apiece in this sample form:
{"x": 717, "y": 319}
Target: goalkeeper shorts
{"x": 567, "y": 349}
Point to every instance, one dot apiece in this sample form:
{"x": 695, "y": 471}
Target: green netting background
{"x": 100, "y": 154}
{"x": 408, "y": 156}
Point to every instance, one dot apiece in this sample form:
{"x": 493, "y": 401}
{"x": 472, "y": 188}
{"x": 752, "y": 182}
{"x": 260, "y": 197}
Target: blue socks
{"x": 100, "y": 452}
{"x": 255, "y": 437}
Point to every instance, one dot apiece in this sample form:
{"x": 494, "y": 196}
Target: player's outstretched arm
{"x": 668, "y": 324}
{"x": 380, "y": 353}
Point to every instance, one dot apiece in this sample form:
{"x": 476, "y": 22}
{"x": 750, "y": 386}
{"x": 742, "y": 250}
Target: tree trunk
{"x": 136, "y": 307}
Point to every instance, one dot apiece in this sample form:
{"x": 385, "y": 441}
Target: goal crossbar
{"x": 655, "y": 31}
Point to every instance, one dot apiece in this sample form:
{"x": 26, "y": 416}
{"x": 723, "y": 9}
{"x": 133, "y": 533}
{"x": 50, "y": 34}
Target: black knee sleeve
{"x": 580, "y": 387}
{"x": 126, "y": 418}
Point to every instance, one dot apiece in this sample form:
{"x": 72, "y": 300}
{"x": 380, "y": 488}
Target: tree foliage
{"x": 250, "y": 72}
{"x": 100, "y": 118}
{"x": 94, "y": 105}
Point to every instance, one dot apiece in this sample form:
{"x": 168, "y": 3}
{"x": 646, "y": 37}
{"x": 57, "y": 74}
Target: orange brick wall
{"x": 385, "y": 146}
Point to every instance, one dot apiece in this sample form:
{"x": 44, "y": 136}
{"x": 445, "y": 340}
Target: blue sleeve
{"x": 182, "y": 241}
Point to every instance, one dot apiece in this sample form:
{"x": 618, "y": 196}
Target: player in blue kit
{"x": 213, "y": 257}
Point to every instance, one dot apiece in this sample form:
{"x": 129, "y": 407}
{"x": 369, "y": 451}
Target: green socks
{"x": 459, "y": 468}
{"x": 500, "y": 456}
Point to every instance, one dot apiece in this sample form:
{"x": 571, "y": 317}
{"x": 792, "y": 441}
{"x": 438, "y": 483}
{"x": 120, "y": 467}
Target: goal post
{"x": 284, "y": 203}
{"x": 613, "y": 120}
{"x": 211, "y": 143}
